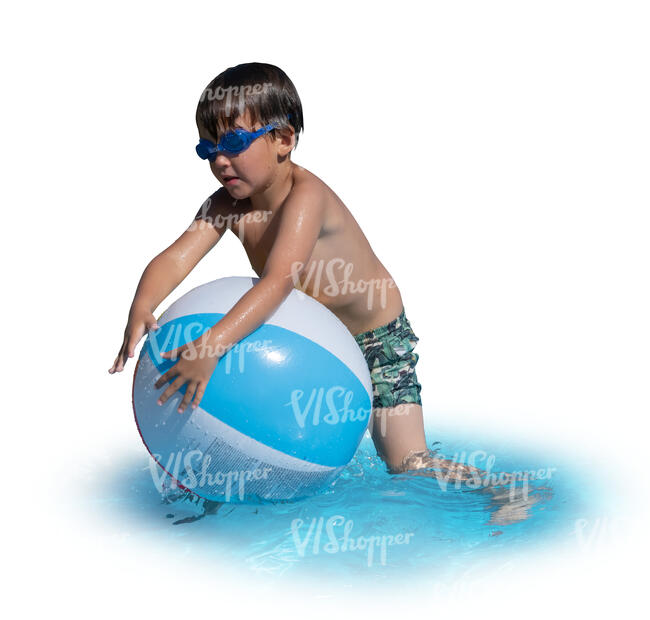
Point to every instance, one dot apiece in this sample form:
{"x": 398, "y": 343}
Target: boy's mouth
{"x": 230, "y": 179}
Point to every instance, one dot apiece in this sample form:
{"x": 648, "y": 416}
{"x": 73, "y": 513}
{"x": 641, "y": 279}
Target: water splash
{"x": 372, "y": 523}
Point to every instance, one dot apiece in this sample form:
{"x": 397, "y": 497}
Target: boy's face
{"x": 255, "y": 168}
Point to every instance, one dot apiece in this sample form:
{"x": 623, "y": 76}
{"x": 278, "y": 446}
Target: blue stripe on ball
{"x": 278, "y": 387}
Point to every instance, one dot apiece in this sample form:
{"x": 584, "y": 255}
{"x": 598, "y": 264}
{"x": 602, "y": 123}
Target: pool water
{"x": 369, "y": 522}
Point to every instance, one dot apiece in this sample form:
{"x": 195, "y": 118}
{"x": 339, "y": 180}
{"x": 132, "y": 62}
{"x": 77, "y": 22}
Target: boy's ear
{"x": 286, "y": 138}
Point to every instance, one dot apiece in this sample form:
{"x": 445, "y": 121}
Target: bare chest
{"x": 257, "y": 231}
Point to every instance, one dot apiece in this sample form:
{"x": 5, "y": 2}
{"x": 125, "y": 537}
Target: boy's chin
{"x": 237, "y": 192}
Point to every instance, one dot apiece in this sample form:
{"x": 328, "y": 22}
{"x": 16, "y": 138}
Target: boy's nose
{"x": 220, "y": 165}
{"x": 221, "y": 161}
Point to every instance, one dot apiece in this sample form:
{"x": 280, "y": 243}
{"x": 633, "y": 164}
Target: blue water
{"x": 422, "y": 527}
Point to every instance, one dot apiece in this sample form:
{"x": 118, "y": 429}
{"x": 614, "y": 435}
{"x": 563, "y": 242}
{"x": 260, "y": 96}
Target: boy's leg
{"x": 396, "y": 424}
{"x": 398, "y": 435}
{"x": 397, "y": 432}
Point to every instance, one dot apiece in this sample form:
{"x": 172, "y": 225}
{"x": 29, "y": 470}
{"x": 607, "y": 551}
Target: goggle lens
{"x": 233, "y": 142}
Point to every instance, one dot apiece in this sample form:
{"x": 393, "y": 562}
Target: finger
{"x": 199, "y": 395}
{"x": 189, "y": 392}
{"x": 114, "y": 366}
{"x": 176, "y": 385}
{"x": 172, "y": 372}
{"x": 118, "y": 364}
{"x": 134, "y": 339}
{"x": 173, "y": 353}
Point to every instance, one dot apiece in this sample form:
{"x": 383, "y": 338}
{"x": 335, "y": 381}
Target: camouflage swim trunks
{"x": 389, "y": 352}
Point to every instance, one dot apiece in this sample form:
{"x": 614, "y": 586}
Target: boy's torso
{"x": 342, "y": 272}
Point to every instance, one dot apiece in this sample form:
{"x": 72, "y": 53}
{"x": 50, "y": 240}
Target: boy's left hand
{"x": 196, "y": 366}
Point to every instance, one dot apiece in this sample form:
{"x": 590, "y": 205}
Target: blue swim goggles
{"x": 232, "y": 143}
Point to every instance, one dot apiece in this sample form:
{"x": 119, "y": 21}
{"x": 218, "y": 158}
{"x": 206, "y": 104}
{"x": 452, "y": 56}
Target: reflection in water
{"x": 514, "y": 505}
{"x": 511, "y": 494}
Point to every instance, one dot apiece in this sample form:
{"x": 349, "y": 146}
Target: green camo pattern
{"x": 391, "y": 360}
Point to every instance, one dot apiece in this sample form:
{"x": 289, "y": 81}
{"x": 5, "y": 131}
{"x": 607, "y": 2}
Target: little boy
{"x": 297, "y": 233}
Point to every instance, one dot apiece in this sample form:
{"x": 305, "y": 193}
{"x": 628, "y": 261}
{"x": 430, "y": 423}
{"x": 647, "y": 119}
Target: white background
{"x": 496, "y": 156}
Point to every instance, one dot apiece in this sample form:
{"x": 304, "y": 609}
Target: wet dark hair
{"x": 262, "y": 89}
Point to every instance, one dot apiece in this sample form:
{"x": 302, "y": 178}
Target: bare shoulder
{"x": 218, "y": 210}
{"x": 309, "y": 184}
{"x": 334, "y": 211}
{"x": 310, "y": 192}
{"x": 222, "y": 202}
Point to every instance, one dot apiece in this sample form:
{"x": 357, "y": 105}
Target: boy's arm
{"x": 300, "y": 225}
{"x": 167, "y": 270}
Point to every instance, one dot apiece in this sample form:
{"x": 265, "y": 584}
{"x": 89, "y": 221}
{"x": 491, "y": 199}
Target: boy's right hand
{"x": 140, "y": 321}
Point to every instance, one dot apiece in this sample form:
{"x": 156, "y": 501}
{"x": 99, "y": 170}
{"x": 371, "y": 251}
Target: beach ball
{"x": 283, "y": 413}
